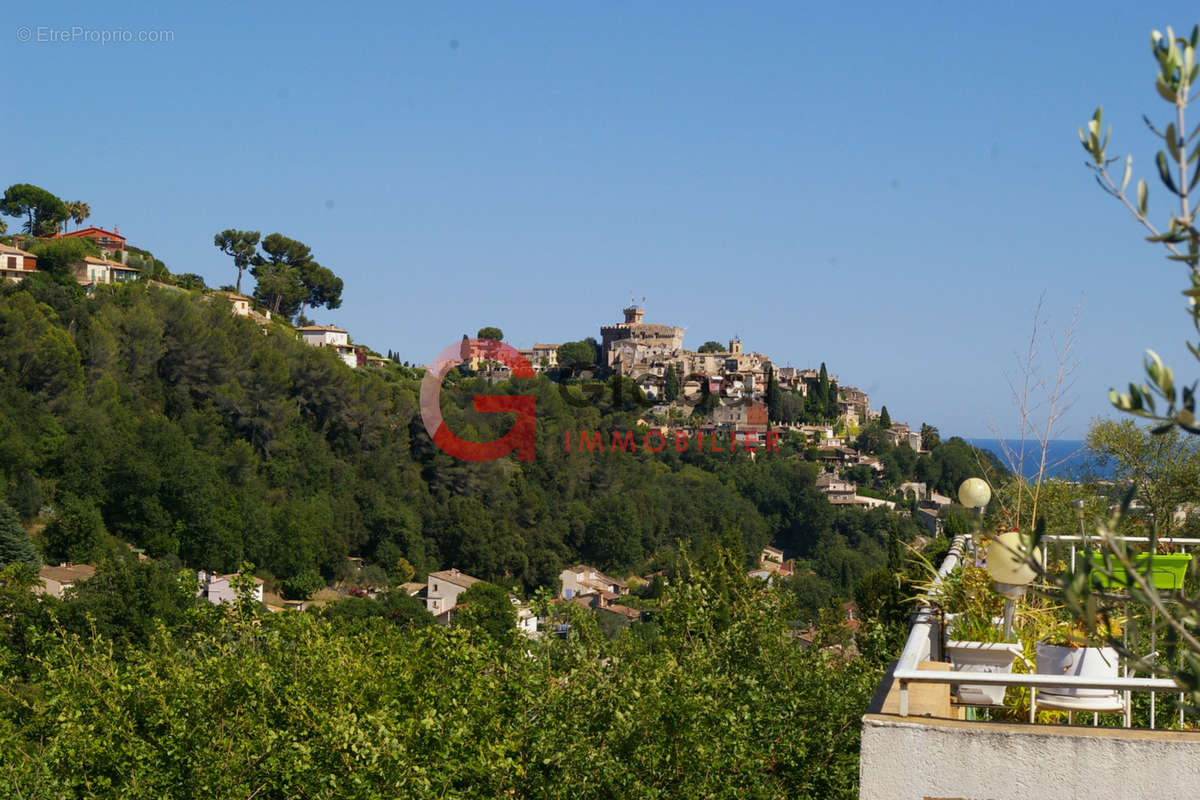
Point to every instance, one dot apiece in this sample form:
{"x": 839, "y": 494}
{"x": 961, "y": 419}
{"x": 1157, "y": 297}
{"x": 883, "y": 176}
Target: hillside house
{"x": 852, "y": 400}
{"x": 900, "y": 433}
{"x": 333, "y": 337}
{"x": 240, "y": 303}
{"x": 582, "y": 579}
{"x": 57, "y": 580}
{"x": 928, "y": 515}
{"x": 443, "y": 588}
{"x": 835, "y": 488}
{"x": 92, "y": 271}
{"x": 838, "y": 456}
{"x": 527, "y": 621}
{"x": 772, "y": 565}
{"x": 821, "y": 432}
{"x": 109, "y": 242}
{"x": 15, "y": 263}
{"x": 605, "y": 602}
{"x": 742, "y": 415}
{"x": 218, "y": 589}
{"x": 323, "y": 335}
{"x": 544, "y": 356}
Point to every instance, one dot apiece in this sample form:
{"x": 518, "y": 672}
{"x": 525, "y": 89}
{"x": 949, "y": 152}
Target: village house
{"x": 544, "y": 356}
{"x": 443, "y": 588}
{"x": 332, "y": 337}
{"x": 821, "y": 432}
{"x": 412, "y": 588}
{"x": 109, "y": 242}
{"x": 240, "y": 303}
{"x": 873, "y": 502}
{"x": 838, "y": 455}
{"x": 218, "y": 589}
{"x": 853, "y": 401}
{"x": 901, "y": 433}
{"x": 741, "y": 415}
{"x": 527, "y": 621}
{"x": 605, "y": 602}
{"x": 323, "y": 335}
{"x": 771, "y": 565}
{"x": 836, "y": 489}
{"x": 928, "y": 515}
{"x": 652, "y": 386}
{"x": 15, "y": 263}
{"x": 92, "y": 271}
{"x": 582, "y": 579}
{"x": 871, "y": 461}
{"x": 55, "y": 581}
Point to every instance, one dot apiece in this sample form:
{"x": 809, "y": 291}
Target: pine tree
{"x": 885, "y": 419}
{"x": 15, "y": 544}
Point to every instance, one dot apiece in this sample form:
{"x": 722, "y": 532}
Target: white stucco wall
{"x": 911, "y": 759}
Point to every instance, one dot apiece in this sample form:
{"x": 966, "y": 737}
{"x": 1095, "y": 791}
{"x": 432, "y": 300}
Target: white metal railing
{"x": 1183, "y": 543}
{"x": 924, "y": 644}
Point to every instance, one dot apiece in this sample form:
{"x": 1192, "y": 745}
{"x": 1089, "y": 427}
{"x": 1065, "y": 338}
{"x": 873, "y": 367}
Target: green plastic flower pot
{"x": 1167, "y": 571}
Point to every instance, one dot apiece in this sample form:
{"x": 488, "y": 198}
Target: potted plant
{"x": 975, "y": 637}
{"x": 1161, "y": 570}
{"x": 1070, "y": 648}
{"x": 976, "y": 644}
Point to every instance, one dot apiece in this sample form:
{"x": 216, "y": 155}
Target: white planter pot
{"x": 1086, "y": 662}
{"x": 991, "y": 657}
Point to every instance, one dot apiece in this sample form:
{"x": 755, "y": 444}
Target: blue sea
{"x": 1065, "y": 458}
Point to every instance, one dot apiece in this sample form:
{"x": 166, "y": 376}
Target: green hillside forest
{"x": 152, "y": 418}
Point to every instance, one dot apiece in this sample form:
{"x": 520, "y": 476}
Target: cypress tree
{"x": 774, "y": 412}
{"x": 822, "y": 404}
{"x": 670, "y": 384}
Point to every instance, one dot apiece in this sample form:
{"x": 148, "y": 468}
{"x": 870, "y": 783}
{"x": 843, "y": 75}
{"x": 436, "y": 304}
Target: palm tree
{"x": 77, "y": 212}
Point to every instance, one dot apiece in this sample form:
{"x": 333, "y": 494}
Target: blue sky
{"x": 888, "y": 190}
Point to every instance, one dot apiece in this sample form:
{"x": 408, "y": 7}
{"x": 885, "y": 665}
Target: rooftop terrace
{"x": 923, "y": 737}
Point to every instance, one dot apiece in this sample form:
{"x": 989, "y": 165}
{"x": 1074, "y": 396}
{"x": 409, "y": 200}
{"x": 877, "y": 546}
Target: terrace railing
{"x": 924, "y": 643}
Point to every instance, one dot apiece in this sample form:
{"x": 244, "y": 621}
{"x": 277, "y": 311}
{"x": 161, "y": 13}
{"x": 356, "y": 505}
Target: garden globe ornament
{"x": 974, "y": 493}
{"x": 1012, "y": 564}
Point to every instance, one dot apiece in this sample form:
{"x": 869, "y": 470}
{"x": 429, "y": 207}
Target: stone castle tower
{"x": 639, "y": 340}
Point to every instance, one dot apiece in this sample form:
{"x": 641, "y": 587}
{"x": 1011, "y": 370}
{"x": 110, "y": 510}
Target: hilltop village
{"x": 715, "y": 388}
{"x": 719, "y": 392}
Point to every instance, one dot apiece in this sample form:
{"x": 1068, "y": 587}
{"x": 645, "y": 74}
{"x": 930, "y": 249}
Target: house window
{"x": 12, "y": 262}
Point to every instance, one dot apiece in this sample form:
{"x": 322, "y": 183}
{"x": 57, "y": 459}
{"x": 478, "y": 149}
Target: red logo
{"x": 522, "y": 437}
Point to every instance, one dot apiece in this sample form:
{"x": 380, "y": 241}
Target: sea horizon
{"x": 1067, "y": 459}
